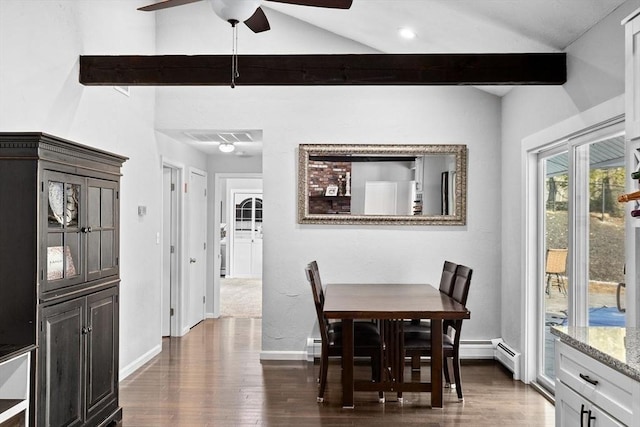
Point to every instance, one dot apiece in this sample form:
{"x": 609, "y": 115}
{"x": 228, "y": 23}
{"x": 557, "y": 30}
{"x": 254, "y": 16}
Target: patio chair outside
{"x": 555, "y": 266}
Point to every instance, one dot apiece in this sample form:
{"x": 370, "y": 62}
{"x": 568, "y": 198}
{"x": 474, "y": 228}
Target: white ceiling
{"x": 445, "y": 26}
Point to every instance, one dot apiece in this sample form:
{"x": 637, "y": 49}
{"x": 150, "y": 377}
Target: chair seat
{"x": 422, "y": 340}
{"x": 365, "y": 336}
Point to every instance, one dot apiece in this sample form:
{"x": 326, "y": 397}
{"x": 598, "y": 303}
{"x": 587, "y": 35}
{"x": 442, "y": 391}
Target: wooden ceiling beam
{"x": 326, "y": 70}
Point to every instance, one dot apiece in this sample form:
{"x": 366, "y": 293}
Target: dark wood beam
{"x": 327, "y": 70}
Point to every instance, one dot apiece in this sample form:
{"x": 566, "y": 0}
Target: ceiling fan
{"x": 247, "y": 11}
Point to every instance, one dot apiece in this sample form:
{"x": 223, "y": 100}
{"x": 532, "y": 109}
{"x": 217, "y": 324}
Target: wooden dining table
{"x": 391, "y": 303}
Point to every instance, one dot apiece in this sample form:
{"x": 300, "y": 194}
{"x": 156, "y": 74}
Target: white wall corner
{"x": 139, "y": 362}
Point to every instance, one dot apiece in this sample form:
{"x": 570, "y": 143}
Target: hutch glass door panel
{"x": 63, "y": 195}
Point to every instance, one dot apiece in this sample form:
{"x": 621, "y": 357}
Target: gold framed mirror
{"x": 392, "y": 184}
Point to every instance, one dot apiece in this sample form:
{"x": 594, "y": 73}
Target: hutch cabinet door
{"x": 63, "y": 229}
{"x": 61, "y": 352}
{"x": 102, "y": 350}
{"x": 102, "y": 221}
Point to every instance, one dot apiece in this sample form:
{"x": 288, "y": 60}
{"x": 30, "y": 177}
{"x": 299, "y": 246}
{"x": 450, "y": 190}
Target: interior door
{"x": 169, "y": 248}
{"x": 197, "y": 195}
{"x": 247, "y": 235}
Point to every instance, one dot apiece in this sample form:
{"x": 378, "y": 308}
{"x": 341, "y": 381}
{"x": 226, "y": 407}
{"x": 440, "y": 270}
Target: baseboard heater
{"x": 508, "y": 357}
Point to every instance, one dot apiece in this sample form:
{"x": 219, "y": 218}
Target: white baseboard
{"x": 476, "y": 349}
{"x": 283, "y": 355}
{"x": 139, "y": 362}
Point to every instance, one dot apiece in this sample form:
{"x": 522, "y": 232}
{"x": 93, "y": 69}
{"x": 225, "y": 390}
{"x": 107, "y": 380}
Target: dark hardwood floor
{"x": 213, "y": 377}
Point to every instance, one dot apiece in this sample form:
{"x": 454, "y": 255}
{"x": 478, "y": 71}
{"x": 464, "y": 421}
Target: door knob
{"x": 192, "y": 260}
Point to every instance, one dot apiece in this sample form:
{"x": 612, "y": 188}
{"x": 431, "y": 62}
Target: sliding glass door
{"x": 554, "y": 244}
{"x": 581, "y": 244}
{"x": 606, "y": 233}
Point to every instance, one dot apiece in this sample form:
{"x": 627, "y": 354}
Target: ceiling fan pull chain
{"x": 234, "y": 56}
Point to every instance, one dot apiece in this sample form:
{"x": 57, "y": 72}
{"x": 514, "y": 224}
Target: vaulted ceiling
{"x": 450, "y": 26}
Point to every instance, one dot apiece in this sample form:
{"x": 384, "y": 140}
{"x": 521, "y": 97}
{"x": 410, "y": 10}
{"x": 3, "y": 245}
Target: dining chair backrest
{"x": 316, "y": 275}
{"x": 316, "y": 290}
{"x": 447, "y": 278}
{"x": 461, "y": 284}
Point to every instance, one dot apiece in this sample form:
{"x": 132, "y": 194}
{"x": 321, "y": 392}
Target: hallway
{"x": 241, "y": 298}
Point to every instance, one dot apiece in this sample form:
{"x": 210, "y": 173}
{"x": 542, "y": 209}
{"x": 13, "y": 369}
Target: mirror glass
{"x": 382, "y": 184}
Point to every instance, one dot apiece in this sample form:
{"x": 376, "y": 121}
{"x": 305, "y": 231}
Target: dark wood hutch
{"x": 60, "y": 275}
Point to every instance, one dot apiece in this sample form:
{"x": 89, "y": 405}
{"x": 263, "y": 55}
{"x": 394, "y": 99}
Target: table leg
{"x": 436, "y": 363}
{"x": 347, "y": 363}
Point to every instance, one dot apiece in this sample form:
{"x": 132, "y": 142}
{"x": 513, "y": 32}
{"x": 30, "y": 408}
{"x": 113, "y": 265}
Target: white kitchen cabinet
{"x": 592, "y": 394}
{"x": 15, "y": 368}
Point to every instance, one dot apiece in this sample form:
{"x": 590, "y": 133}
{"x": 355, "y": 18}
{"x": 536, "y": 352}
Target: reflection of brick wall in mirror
{"x": 322, "y": 174}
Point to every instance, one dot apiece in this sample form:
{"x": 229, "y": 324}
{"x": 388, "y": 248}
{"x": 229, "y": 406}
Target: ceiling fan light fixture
{"x": 226, "y": 147}
{"x": 407, "y": 33}
{"x": 235, "y": 10}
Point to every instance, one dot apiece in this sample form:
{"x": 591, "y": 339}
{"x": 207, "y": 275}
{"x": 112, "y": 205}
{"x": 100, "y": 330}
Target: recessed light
{"x": 407, "y": 33}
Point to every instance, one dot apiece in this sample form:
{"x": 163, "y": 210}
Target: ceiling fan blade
{"x": 165, "y": 4}
{"x": 334, "y": 4}
{"x": 258, "y": 21}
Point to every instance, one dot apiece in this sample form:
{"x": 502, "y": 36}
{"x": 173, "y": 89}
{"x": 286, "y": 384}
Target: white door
{"x": 197, "y": 196}
{"x": 246, "y": 258}
{"x": 169, "y": 237}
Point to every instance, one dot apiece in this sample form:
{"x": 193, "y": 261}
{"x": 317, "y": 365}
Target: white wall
{"x": 595, "y": 75}
{"x": 289, "y": 116}
{"x": 40, "y": 43}
{"x": 358, "y": 115}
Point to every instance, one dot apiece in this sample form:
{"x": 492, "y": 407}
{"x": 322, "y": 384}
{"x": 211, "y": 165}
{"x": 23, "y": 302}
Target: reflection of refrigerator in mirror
{"x": 389, "y": 197}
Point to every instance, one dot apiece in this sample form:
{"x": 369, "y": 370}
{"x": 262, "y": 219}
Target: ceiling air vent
{"x": 220, "y": 136}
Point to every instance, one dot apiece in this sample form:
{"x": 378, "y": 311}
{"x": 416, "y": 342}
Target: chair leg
{"x": 546, "y": 289}
{"x": 415, "y": 362}
{"x": 445, "y": 366}
{"x": 324, "y": 362}
{"x": 563, "y": 288}
{"x": 376, "y": 372}
{"x": 456, "y": 374}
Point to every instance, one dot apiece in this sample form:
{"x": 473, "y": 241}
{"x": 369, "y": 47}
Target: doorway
{"x": 239, "y": 293}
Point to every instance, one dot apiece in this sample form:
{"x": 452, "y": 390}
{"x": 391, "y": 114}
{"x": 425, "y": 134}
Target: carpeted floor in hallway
{"x": 240, "y": 297}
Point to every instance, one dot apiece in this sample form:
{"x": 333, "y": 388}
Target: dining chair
{"x": 366, "y": 336}
{"x": 447, "y": 278}
{"x": 419, "y": 342}
{"x": 556, "y": 264}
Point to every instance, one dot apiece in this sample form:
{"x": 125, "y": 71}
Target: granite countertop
{"x": 616, "y": 347}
